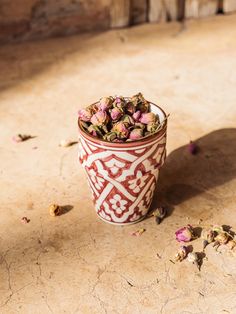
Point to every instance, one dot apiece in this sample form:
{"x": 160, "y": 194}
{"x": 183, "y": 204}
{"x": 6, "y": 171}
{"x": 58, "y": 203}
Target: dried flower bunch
{"x": 120, "y": 119}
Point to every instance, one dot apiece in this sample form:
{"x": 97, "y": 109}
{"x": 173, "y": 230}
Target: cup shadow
{"x": 184, "y": 175}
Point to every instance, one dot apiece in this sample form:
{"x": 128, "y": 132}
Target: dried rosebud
{"x": 184, "y": 234}
{"x": 100, "y": 118}
{"x": 85, "y": 115}
{"x": 94, "y": 130}
{"x": 159, "y": 214}
{"x": 138, "y": 98}
{"x": 208, "y": 236}
{"x": 148, "y": 117}
{"x": 116, "y": 113}
{"x": 110, "y": 136}
{"x": 21, "y": 138}
{"x": 25, "y": 220}
{"x": 54, "y": 210}
{"x": 222, "y": 238}
{"x": 193, "y": 258}
{"x": 119, "y": 102}
{"x": 192, "y": 148}
{"x": 143, "y": 106}
{"x": 130, "y": 108}
{"x": 231, "y": 244}
{"x": 137, "y": 115}
{"x": 136, "y": 134}
{"x": 181, "y": 254}
{"x": 128, "y": 120}
{"x": 152, "y": 127}
{"x": 138, "y": 232}
{"x": 105, "y": 103}
{"x": 121, "y": 130}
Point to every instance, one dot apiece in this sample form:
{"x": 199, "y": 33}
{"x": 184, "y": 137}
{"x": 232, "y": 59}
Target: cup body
{"x": 123, "y": 176}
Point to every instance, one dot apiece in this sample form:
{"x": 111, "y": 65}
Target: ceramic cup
{"x": 123, "y": 176}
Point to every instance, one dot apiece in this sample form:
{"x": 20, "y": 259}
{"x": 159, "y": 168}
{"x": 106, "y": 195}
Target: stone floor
{"x": 75, "y": 263}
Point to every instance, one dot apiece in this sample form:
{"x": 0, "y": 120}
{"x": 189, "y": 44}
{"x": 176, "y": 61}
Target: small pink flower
{"x": 137, "y": 115}
{"x": 136, "y": 134}
{"x": 85, "y": 115}
{"x": 121, "y": 130}
{"x": 105, "y": 103}
{"x": 116, "y": 113}
{"x": 148, "y": 117}
{"x": 100, "y": 118}
{"x": 184, "y": 234}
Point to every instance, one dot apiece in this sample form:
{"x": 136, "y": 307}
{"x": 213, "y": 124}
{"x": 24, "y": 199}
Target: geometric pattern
{"x": 122, "y": 178}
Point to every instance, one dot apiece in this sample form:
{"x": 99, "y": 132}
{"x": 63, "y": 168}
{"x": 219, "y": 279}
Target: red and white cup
{"x": 123, "y": 176}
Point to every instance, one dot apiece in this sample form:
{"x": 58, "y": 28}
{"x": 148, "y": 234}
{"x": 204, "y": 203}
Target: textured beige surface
{"x": 75, "y": 263}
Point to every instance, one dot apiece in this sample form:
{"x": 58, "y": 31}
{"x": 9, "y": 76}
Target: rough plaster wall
{"x": 29, "y": 19}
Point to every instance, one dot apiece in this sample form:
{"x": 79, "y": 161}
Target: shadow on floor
{"x": 184, "y": 175}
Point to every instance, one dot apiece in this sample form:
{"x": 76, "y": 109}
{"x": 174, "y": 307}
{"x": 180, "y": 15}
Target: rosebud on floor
{"x": 181, "y": 254}
{"x": 192, "y": 148}
{"x": 184, "y": 234}
{"x": 25, "y": 220}
{"x": 54, "y": 210}
{"x": 193, "y": 258}
{"x": 208, "y": 237}
{"x": 231, "y": 244}
{"x": 21, "y": 138}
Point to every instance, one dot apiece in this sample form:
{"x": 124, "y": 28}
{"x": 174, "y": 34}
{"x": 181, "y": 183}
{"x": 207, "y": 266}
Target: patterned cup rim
{"x": 144, "y": 140}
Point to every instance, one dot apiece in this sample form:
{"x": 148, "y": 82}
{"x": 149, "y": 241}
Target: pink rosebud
{"x": 105, "y": 103}
{"x": 116, "y": 113}
{"x": 137, "y": 115}
{"x": 148, "y": 117}
{"x": 121, "y": 130}
{"x": 184, "y": 234}
{"x": 99, "y": 118}
{"x": 136, "y": 134}
{"x": 119, "y": 102}
{"x": 192, "y": 148}
{"x": 85, "y": 115}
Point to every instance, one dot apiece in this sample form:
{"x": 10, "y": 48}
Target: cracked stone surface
{"x": 76, "y": 263}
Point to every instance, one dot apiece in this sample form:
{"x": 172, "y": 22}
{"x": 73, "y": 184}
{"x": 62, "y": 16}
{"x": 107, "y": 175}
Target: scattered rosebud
{"x": 184, "y": 234}
{"x": 148, "y": 117}
{"x": 85, "y": 115}
{"x": 192, "y": 148}
{"x": 181, "y": 254}
{"x": 67, "y": 143}
{"x": 25, "y": 220}
{"x": 105, "y": 103}
{"x": 116, "y": 113}
{"x": 100, "y": 118}
{"x": 222, "y": 238}
{"x": 159, "y": 214}
{"x": 193, "y": 258}
{"x": 138, "y": 232}
{"x": 136, "y": 115}
{"x": 231, "y": 244}
{"x": 21, "y": 138}
{"x": 207, "y": 236}
{"x": 136, "y": 134}
{"x": 54, "y": 210}
{"x": 121, "y": 130}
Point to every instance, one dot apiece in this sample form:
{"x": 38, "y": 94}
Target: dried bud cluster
{"x": 119, "y": 119}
